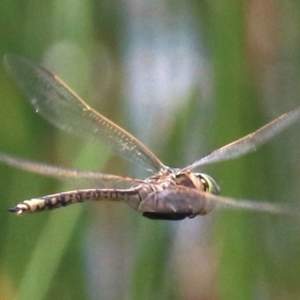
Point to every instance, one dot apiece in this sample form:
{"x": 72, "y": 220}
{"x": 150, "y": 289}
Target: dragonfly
{"x": 168, "y": 194}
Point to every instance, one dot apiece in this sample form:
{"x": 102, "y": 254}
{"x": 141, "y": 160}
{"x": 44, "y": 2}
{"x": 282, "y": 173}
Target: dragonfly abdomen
{"x": 77, "y": 196}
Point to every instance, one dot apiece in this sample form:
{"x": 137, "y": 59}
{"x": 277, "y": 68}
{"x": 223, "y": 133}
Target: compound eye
{"x": 212, "y": 186}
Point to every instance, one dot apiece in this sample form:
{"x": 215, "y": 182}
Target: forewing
{"x": 62, "y": 107}
{"x": 250, "y": 142}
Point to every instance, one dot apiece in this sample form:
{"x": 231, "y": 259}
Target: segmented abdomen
{"x": 131, "y": 196}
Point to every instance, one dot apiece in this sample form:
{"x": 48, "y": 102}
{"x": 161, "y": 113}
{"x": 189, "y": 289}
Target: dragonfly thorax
{"x": 177, "y": 195}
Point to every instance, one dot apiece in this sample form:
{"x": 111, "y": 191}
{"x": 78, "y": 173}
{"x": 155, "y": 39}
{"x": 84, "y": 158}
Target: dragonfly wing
{"x": 189, "y": 201}
{"x": 98, "y": 178}
{"x": 250, "y": 142}
{"x": 62, "y": 107}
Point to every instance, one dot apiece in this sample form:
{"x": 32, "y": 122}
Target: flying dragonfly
{"x": 169, "y": 194}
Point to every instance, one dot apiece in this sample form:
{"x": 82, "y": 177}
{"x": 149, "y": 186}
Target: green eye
{"x": 211, "y": 183}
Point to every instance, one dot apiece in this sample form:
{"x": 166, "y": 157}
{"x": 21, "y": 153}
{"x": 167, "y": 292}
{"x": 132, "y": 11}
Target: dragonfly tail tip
{"x": 15, "y": 210}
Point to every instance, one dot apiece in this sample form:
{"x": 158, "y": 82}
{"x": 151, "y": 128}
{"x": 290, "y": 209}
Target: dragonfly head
{"x": 209, "y": 182}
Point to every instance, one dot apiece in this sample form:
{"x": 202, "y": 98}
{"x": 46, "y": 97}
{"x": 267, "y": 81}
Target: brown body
{"x": 158, "y": 197}
{"x": 171, "y": 194}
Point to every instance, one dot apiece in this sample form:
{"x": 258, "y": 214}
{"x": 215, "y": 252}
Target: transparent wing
{"x": 57, "y": 172}
{"x": 250, "y": 142}
{"x": 62, "y": 107}
{"x": 187, "y": 200}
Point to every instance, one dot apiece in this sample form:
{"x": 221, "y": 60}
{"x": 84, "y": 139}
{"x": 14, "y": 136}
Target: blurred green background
{"x": 185, "y": 78}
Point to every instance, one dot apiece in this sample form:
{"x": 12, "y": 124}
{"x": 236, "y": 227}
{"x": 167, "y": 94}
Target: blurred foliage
{"x": 251, "y": 48}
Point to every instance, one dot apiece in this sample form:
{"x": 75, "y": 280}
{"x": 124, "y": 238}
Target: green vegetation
{"x": 106, "y": 251}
